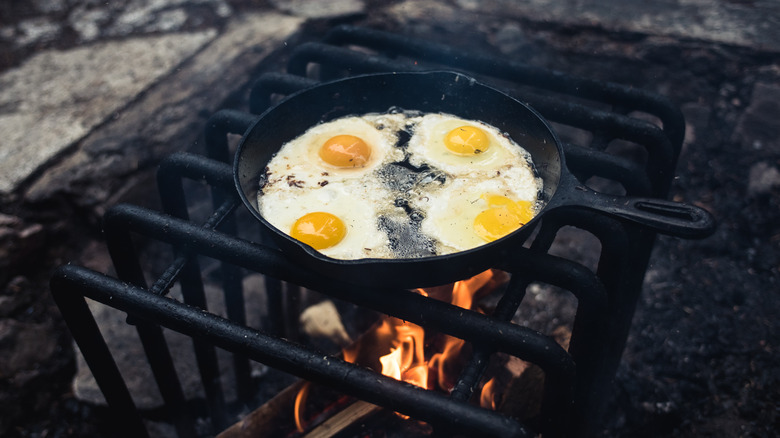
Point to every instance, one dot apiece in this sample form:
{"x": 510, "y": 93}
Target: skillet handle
{"x": 666, "y": 217}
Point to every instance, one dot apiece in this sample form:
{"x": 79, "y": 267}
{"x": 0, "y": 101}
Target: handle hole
{"x": 666, "y": 210}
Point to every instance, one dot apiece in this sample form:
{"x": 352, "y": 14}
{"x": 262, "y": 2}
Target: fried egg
{"x": 399, "y": 185}
{"x": 459, "y": 146}
{"x": 465, "y": 214}
{"x": 341, "y": 149}
{"x": 339, "y": 220}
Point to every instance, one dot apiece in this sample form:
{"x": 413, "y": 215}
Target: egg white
{"x": 298, "y": 182}
{"x": 298, "y": 162}
{"x": 356, "y": 203}
{"x": 427, "y": 146}
{"x": 450, "y": 210}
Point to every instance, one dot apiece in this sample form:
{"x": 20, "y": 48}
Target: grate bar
{"x": 275, "y": 83}
{"x": 606, "y": 299}
{"x": 397, "y": 396}
{"x": 471, "y": 326}
{"x": 86, "y": 334}
{"x": 476, "y": 327}
{"x": 584, "y": 162}
{"x": 616, "y": 94}
{"x": 662, "y": 153}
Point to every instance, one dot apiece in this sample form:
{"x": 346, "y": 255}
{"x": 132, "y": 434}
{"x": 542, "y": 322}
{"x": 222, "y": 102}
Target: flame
{"x": 300, "y": 401}
{"x": 487, "y": 398}
{"x": 462, "y": 296}
{"x": 406, "y": 360}
{"x": 405, "y": 341}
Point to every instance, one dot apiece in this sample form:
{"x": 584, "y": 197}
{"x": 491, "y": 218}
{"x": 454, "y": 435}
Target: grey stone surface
{"x": 318, "y": 8}
{"x": 758, "y": 126}
{"x": 743, "y": 23}
{"x": 38, "y": 29}
{"x": 166, "y": 117}
{"x": 32, "y": 345}
{"x": 763, "y": 177}
{"x": 128, "y": 353}
{"x": 752, "y": 23}
{"x": 47, "y": 21}
{"x": 158, "y": 15}
{"x": 56, "y": 98}
{"x": 18, "y": 240}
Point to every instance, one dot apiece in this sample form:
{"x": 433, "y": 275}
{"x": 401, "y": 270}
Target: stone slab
{"x": 754, "y": 24}
{"x": 758, "y": 128}
{"x": 55, "y": 98}
{"x": 168, "y": 117}
{"x": 128, "y": 353}
{"x": 320, "y": 9}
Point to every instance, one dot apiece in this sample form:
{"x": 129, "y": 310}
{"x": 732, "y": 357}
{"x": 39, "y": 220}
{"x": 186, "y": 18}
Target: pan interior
{"x": 437, "y": 92}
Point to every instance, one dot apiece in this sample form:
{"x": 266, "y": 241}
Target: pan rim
{"x": 450, "y": 76}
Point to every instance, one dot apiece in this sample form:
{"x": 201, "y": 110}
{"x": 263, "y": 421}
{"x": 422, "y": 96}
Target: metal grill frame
{"x": 577, "y": 381}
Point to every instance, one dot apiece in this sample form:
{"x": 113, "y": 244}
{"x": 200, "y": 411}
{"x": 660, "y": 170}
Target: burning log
{"x": 519, "y": 384}
{"x": 353, "y": 414}
{"x": 276, "y": 414}
{"x": 395, "y": 348}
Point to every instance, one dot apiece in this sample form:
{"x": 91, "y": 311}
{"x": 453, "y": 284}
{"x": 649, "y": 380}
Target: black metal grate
{"x": 573, "y": 394}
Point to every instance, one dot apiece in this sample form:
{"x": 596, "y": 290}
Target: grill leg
{"x": 159, "y": 358}
{"x": 86, "y": 334}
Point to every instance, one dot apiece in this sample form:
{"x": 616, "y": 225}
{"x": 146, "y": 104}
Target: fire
{"x": 462, "y": 296}
{"x": 406, "y": 359}
{"x": 300, "y": 400}
{"x": 487, "y": 398}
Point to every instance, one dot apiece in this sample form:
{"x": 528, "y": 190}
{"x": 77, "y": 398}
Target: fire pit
{"x": 623, "y": 154}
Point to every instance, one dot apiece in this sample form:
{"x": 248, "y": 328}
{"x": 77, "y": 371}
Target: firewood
{"x": 353, "y": 414}
{"x": 522, "y": 398}
{"x": 273, "y": 415}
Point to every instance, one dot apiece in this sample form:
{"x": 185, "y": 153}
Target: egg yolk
{"x": 502, "y": 216}
{"x": 467, "y": 141}
{"x": 345, "y": 151}
{"x": 319, "y": 230}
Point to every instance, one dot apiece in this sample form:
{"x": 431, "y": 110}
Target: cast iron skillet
{"x": 434, "y": 92}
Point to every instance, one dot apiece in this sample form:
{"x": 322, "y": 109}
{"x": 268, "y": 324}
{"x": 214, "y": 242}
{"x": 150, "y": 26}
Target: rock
{"x": 697, "y": 123}
{"x": 167, "y": 117}
{"x": 469, "y": 5}
{"x": 320, "y": 9}
{"x": 15, "y": 296}
{"x": 419, "y": 13}
{"x": 509, "y": 38}
{"x": 18, "y": 241}
{"x": 49, "y": 6}
{"x": 323, "y": 321}
{"x": 40, "y": 118}
{"x": 87, "y": 22}
{"x": 759, "y": 127}
{"x": 722, "y": 22}
{"x": 763, "y": 177}
{"x": 24, "y": 346}
{"x": 37, "y": 30}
